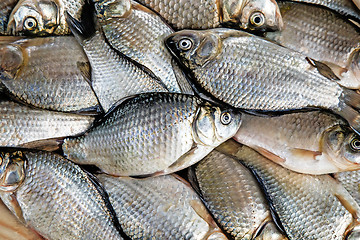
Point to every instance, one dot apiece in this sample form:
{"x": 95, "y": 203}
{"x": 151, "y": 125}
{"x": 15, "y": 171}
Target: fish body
{"x": 6, "y": 6}
{"x": 154, "y": 133}
{"x": 54, "y": 196}
{"x": 163, "y": 207}
{"x": 49, "y": 73}
{"x": 350, "y": 181}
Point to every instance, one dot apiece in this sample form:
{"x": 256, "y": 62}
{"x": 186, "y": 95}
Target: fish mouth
{"x": 171, "y": 45}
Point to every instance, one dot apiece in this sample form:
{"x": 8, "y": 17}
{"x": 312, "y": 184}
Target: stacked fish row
{"x": 102, "y": 101}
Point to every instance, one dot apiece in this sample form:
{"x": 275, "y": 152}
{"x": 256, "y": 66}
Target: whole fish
{"x": 308, "y": 207}
{"x": 154, "y": 133}
{"x": 20, "y": 124}
{"x": 139, "y": 33}
{"x": 203, "y": 14}
{"x": 351, "y": 182}
{"x": 42, "y": 17}
{"x": 233, "y": 196}
{"x": 248, "y": 72}
{"x": 50, "y": 73}
{"x": 163, "y": 207}
{"x": 335, "y": 42}
{"x": 54, "y": 196}
{"x": 307, "y": 142}
{"x": 6, "y": 6}
{"x": 113, "y": 76}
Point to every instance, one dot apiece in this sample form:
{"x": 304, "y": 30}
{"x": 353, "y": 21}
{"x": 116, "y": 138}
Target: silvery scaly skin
{"x": 139, "y": 33}
{"x": 307, "y": 142}
{"x": 163, "y": 207}
{"x": 154, "y": 133}
{"x": 204, "y": 14}
{"x": 54, "y": 196}
{"x": 6, "y": 6}
{"x": 49, "y": 73}
{"x": 248, "y": 72}
{"x": 335, "y": 42}
{"x": 350, "y": 181}
{"x": 234, "y": 197}
{"x": 308, "y": 206}
{"x": 42, "y": 17}
{"x": 21, "y": 124}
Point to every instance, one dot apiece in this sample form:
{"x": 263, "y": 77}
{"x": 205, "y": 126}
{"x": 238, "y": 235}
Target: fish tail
{"x": 52, "y": 144}
{"x": 349, "y": 108}
{"x": 354, "y": 63}
{"x": 74, "y": 150}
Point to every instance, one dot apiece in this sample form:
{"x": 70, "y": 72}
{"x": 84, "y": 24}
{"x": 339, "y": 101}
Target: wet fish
{"x": 54, "y": 196}
{"x": 6, "y": 6}
{"x": 49, "y": 73}
{"x": 42, "y": 17}
{"x": 163, "y": 207}
{"x": 139, "y": 33}
{"x": 250, "y": 73}
{"x": 154, "y": 133}
{"x": 203, "y": 14}
{"x": 351, "y": 182}
{"x": 233, "y": 196}
{"x": 309, "y": 207}
{"x": 324, "y": 36}
{"x": 113, "y": 77}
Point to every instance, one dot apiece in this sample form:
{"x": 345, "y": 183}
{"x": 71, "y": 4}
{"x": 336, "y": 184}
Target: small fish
{"x": 42, "y": 17}
{"x": 50, "y": 73}
{"x": 308, "y": 207}
{"x": 54, "y": 196}
{"x": 153, "y": 134}
{"x": 6, "y": 6}
{"x": 248, "y": 72}
{"x": 163, "y": 207}
{"x": 204, "y": 14}
{"x": 233, "y": 196}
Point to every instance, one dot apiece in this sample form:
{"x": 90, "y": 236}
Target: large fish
{"x": 42, "y": 17}
{"x": 163, "y": 207}
{"x": 6, "y": 6}
{"x": 154, "y": 133}
{"x": 308, "y": 207}
{"x": 233, "y": 196}
{"x": 248, "y": 72}
{"x": 335, "y": 42}
{"x": 203, "y": 14}
{"x": 50, "y": 73}
{"x": 55, "y": 197}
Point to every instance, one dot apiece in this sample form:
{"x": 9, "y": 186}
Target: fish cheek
{"x": 11, "y": 60}
{"x": 12, "y": 171}
{"x": 208, "y": 49}
{"x": 110, "y": 9}
{"x": 231, "y": 11}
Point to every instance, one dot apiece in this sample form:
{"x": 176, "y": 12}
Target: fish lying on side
{"x": 163, "y": 207}
{"x": 153, "y": 134}
{"x": 54, "y": 196}
{"x": 234, "y": 197}
{"x": 351, "y": 182}
{"x": 308, "y": 207}
{"x": 248, "y": 72}
{"x": 6, "y": 6}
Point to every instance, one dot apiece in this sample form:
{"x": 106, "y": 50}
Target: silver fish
{"x": 351, "y": 182}
{"x": 6, "y": 6}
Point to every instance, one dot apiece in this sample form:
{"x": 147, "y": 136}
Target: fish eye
{"x": 257, "y": 19}
{"x": 185, "y": 44}
{"x": 225, "y": 118}
{"x": 355, "y": 144}
{"x": 30, "y": 23}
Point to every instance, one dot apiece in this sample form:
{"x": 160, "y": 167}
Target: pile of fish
{"x": 172, "y": 119}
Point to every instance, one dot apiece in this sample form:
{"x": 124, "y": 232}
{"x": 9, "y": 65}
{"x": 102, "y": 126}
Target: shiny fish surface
{"x": 54, "y": 196}
{"x": 49, "y": 73}
{"x": 139, "y": 33}
{"x": 324, "y": 36}
{"x": 6, "y": 6}
{"x": 203, "y": 14}
{"x": 154, "y": 133}
{"x": 240, "y": 69}
{"x": 21, "y": 124}
{"x": 351, "y": 182}
{"x": 163, "y": 207}
{"x": 233, "y": 196}
{"x": 42, "y": 17}
{"x": 309, "y": 207}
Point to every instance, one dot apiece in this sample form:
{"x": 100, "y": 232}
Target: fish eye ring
{"x": 225, "y": 118}
{"x": 257, "y": 19}
{"x": 355, "y": 144}
{"x": 30, "y": 23}
{"x": 185, "y": 44}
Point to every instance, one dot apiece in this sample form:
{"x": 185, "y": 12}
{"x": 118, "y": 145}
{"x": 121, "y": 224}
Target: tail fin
{"x": 53, "y": 144}
{"x": 349, "y": 108}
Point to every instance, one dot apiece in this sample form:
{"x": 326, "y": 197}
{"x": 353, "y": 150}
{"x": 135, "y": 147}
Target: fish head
{"x": 214, "y": 125}
{"x": 12, "y": 169}
{"x": 34, "y": 18}
{"x": 112, "y": 8}
{"x": 11, "y": 61}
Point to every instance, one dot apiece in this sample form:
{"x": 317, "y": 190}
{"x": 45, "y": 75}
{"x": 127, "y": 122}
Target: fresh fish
{"x": 351, "y": 182}
{"x": 203, "y": 14}
{"x": 233, "y": 196}
{"x": 139, "y": 33}
{"x": 357, "y": 3}
{"x": 6, "y": 6}
{"x": 21, "y": 124}
{"x": 308, "y": 207}
{"x": 54, "y": 196}
{"x": 154, "y": 133}
{"x": 335, "y": 42}
{"x": 163, "y": 207}
{"x": 248, "y": 72}
{"x": 50, "y": 73}
{"x": 114, "y": 77}
{"x": 42, "y": 17}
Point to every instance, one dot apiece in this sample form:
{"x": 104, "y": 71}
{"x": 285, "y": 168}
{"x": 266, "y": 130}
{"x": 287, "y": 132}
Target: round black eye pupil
{"x": 357, "y": 143}
{"x": 257, "y": 19}
{"x": 30, "y": 24}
